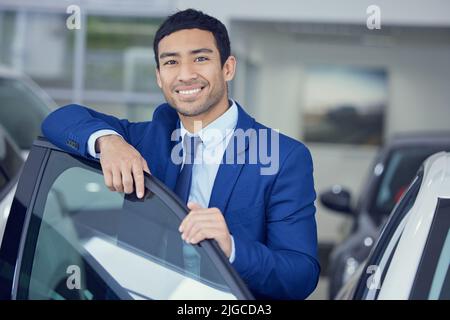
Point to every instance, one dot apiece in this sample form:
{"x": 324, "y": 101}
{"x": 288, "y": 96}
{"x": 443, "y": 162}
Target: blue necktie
{"x": 183, "y": 186}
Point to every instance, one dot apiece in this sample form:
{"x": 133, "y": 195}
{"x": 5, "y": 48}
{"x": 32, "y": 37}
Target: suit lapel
{"x": 228, "y": 173}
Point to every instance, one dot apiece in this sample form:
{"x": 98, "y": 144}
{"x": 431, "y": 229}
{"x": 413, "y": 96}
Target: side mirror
{"x": 337, "y": 198}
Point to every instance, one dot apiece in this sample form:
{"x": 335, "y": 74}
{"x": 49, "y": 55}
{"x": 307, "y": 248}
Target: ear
{"x": 229, "y": 68}
{"x": 158, "y": 78}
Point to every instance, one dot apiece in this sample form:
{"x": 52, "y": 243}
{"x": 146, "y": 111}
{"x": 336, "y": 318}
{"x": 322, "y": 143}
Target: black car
{"x": 394, "y": 168}
{"x": 69, "y": 237}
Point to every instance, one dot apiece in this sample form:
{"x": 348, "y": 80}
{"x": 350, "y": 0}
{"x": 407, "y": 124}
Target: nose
{"x": 186, "y": 72}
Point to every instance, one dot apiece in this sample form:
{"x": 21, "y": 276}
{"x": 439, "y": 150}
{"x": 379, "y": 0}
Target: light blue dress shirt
{"x": 215, "y": 137}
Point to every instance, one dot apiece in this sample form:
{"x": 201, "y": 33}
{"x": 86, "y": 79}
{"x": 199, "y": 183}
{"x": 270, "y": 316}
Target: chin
{"x": 191, "y": 112}
{"x": 191, "y": 109}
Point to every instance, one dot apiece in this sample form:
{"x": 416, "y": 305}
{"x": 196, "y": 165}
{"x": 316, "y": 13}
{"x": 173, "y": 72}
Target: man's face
{"x": 190, "y": 73}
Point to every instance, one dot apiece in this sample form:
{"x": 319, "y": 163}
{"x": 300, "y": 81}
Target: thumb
{"x": 194, "y": 206}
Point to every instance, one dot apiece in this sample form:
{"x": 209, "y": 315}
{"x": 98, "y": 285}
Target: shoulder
{"x": 164, "y": 113}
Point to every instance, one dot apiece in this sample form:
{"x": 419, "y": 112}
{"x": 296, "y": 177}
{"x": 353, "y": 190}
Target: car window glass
{"x": 440, "y": 287}
{"x": 432, "y": 280}
{"x": 86, "y": 242}
{"x": 400, "y": 170}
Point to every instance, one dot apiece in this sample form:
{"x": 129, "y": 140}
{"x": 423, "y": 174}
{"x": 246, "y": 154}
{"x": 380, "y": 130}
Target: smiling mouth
{"x": 189, "y": 93}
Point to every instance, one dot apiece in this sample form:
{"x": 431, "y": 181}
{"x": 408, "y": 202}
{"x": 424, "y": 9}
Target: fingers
{"x": 189, "y": 223}
{"x": 127, "y": 180}
{"x": 123, "y": 166}
{"x": 204, "y": 232}
{"x": 201, "y": 224}
{"x": 194, "y": 206}
{"x": 107, "y": 175}
{"x": 117, "y": 180}
{"x": 139, "y": 180}
{"x": 194, "y": 215}
{"x": 195, "y": 210}
{"x": 196, "y": 230}
{"x": 201, "y": 218}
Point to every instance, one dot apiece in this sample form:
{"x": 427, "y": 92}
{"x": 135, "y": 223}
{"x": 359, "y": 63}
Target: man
{"x": 262, "y": 220}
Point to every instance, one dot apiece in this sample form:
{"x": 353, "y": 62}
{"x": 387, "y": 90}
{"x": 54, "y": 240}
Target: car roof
{"x": 6, "y": 72}
{"x": 437, "y": 174}
{"x": 420, "y": 138}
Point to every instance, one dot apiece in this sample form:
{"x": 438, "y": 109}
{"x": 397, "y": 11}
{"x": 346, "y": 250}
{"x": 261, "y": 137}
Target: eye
{"x": 201, "y": 59}
{"x": 169, "y": 62}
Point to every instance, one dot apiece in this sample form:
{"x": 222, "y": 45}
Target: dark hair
{"x": 194, "y": 19}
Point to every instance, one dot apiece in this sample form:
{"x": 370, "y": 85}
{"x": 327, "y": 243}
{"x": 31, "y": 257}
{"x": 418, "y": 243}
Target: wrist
{"x": 104, "y": 140}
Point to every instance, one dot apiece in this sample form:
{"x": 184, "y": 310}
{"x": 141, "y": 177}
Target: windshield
{"x": 21, "y": 111}
{"x": 400, "y": 169}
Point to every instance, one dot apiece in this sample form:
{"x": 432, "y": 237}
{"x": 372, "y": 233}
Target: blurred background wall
{"x": 108, "y": 64}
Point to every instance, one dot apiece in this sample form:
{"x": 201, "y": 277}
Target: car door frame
{"x": 24, "y": 201}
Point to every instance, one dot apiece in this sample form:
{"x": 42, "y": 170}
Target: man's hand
{"x": 202, "y": 224}
{"x": 122, "y": 165}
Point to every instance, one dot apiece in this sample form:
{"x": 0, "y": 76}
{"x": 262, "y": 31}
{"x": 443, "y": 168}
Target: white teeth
{"x": 190, "y": 91}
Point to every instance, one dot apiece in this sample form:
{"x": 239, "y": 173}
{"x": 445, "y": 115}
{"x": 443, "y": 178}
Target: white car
{"x": 412, "y": 256}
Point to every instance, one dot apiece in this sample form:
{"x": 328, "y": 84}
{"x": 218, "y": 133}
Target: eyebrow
{"x": 202, "y": 50}
{"x": 192, "y": 52}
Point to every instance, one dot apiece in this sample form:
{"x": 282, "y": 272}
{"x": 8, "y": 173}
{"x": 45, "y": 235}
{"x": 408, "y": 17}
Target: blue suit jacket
{"x": 271, "y": 217}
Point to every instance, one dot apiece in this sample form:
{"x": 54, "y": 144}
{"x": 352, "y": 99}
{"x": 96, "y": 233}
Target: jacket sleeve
{"x": 70, "y": 127}
{"x": 286, "y": 266}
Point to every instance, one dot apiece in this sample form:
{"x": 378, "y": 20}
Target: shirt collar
{"x": 215, "y": 132}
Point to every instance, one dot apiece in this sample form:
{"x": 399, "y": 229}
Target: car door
{"x": 69, "y": 237}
